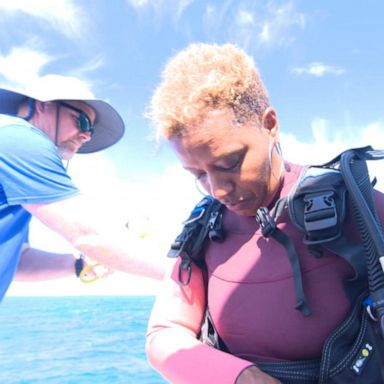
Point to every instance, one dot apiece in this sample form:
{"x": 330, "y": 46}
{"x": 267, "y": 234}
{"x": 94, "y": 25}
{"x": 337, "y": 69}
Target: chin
{"x": 242, "y": 212}
{"x": 65, "y": 154}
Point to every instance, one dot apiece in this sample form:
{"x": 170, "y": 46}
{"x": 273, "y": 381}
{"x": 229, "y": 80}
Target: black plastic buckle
{"x": 266, "y": 222}
{"x": 216, "y": 232}
{"x": 320, "y": 211}
{"x": 185, "y": 270}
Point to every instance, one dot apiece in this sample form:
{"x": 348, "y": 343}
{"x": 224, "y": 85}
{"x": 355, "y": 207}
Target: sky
{"x": 322, "y": 63}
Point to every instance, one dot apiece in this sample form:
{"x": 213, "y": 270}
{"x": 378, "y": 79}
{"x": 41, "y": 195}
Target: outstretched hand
{"x": 93, "y": 271}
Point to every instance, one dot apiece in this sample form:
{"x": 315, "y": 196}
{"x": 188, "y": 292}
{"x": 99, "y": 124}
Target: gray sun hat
{"x": 108, "y": 127}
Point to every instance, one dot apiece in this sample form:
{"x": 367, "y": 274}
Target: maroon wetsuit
{"x": 251, "y": 293}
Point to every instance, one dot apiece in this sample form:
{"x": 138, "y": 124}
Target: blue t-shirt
{"x": 31, "y": 171}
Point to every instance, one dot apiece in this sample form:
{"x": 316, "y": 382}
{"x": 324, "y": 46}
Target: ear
{"x": 270, "y": 122}
{"x": 40, "y": 106}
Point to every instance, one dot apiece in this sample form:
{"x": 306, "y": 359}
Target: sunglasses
{"x": 83, "y": 121}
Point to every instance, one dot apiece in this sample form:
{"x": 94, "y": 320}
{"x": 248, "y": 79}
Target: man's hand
{"x": 92, "y": 271}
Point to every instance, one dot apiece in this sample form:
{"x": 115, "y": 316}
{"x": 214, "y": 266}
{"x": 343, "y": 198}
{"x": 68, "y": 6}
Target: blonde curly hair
{"x": 204, "y": 77}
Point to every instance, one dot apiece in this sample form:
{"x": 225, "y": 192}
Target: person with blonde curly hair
{"x": 201, "y": 80}
{"x": 212, "y": 108}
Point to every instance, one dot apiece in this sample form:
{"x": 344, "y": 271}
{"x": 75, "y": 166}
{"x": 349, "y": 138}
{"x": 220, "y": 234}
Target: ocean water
{"x": 68, "y": 340}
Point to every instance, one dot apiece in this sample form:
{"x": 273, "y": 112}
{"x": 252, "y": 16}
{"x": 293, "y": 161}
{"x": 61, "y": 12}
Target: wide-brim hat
{"x": 108, "y": 127}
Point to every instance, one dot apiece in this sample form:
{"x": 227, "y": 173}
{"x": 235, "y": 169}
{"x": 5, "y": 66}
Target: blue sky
{"x": 322, "y": 63}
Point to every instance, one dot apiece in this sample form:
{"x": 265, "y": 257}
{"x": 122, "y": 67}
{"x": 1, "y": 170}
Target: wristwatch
{"x": 79, "y": 265}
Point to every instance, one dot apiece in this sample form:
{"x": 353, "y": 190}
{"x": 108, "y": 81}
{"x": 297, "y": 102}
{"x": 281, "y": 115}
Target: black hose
{"x": 355, "y": 172}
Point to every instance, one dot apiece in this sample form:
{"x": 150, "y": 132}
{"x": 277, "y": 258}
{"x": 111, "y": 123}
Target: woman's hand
{"x": 253, "y": 375}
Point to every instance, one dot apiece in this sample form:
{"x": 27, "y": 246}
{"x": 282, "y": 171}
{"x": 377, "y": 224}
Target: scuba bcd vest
{"x": 317, "y": 206}
{"x": 203, "y": 223}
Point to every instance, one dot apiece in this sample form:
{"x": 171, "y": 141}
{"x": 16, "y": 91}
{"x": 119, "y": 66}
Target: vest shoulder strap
{"x": 203, "y": 223}
{"x": 317, "y": 207}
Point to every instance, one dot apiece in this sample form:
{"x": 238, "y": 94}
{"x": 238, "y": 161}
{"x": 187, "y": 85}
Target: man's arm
{"x": 36, "y": 265}
{"x": 99, "y": 238}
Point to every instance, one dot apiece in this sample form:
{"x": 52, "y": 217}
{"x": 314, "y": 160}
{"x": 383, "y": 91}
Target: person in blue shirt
{"x": 38, "y": 130}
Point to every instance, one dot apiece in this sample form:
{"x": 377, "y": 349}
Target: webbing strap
{"x": 269, "y": 229}
{"x": 302, "y": 302}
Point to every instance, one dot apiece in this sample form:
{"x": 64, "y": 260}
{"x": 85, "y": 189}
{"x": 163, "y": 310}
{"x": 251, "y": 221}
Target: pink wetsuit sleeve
{"x": 172, "y": 347}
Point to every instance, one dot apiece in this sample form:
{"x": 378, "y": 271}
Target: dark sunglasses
{"x": 83, "y": 121}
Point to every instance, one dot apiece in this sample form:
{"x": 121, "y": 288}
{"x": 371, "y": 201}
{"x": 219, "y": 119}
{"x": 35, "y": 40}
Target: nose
{"x": 85, "y": 136}
{"x": 219, "y": 187}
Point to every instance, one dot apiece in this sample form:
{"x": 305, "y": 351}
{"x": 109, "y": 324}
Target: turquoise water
{"x": 62, "y": 340}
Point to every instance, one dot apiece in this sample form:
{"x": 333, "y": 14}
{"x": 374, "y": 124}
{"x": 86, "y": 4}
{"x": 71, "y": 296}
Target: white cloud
{"x": 214, "y": 17}
{"x": 277, "y": 26}
{"x": 163, "y": 198}
{"x": 162, "y": 8}
{"x": 182, "y": 6}
{"x": 62, "y": 15}
{"x": 245, "y": 18}
{"x": 141, "y": 3}
{"x": 21, "y": 69}
{"x": 245, "y": 22}
{"x": 90, "y": 66}
{"x": 254, "y": 24}
{"x": 328, "y": 143}
{"x": 318, "y": 69}
{"x": 22, "y": 64}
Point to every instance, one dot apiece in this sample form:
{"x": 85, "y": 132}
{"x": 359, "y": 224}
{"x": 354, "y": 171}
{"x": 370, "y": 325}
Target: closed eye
{"x": 230, "y": 163}
{"x": 231, "y": 167}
